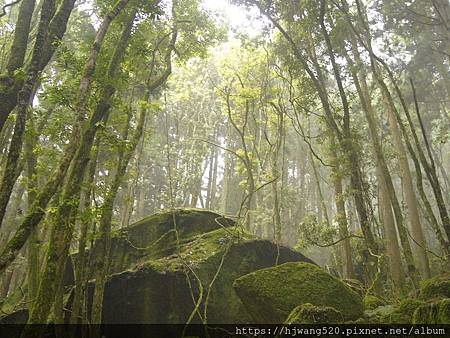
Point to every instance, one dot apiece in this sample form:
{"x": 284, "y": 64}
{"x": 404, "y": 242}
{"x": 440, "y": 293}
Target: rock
{"x": 166, "y": 290}
{"x": 311, "y": 314}
{"x": 271, "y": 294}
{"x": 435, "y": 312}
{"x": 157, "y": 279}
{"x": 151, "y": 238}
{"x": 376, "y": 315}
{"x": 372, "y": 302}
{"x": 403, "y": 313}
{"x": 437, "y": 287}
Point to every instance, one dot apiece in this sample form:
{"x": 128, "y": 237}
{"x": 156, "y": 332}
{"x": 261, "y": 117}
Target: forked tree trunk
{"x": 24, "y": 97}
{"x": 62, "y": 231}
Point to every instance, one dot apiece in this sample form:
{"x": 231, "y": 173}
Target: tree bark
{"x": 9, "y": 85}
{"x": 24, "y": 97}
{"x": 62, "y": 231}
{"x": 80, "y": 260}
{"x": 10, "y": 89}
{"x": 387, "y": 188}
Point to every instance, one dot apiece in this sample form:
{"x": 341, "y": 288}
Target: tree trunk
{"x": 9, "y": 86}
{"x": 341, "y": 219}
{"x": 62, "y": 231}
{"x": 80, "y": 261}
{"x": 56, "y": 29}
{"x": 104, "y": 242}
{"x": 33, "y": 241}
{"x": 24, "y": 97}
{"x": 387, "y": 188}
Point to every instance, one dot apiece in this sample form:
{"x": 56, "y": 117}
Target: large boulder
{"x": 196, "y": 281}
{"x": 151, "y": 238}
{"x": 160, "y": 276}
{"x": 271, "y": 294}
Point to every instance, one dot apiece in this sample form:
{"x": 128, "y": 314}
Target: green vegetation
{"x": 437, "y": 287}
{"x": 436, "y": 312}
{"x": 155, "y": 153}
{"x": 271, "y": 294}
{"x": 372, "y": 302}
{"x": 311, "y": 314}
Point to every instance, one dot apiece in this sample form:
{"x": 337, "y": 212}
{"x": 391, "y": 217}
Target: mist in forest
{"x": 320, "y": 127}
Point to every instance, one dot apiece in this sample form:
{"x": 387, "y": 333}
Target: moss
{"x": 311, "y": 314}
{"x": 434, "y": 312}
{"x": 403, "y": 313}
{"x": 372, "y": 302}
{"x": 159, "y": 227}
{"x": 195, "y": 250}
{"x": 437, "y": 287}
{"x": 444, "y": 312}
{"x": 154, "y": 238}
{"x": 162, "y": 290}
{"x": 271, "y": 294}
{"x": 17, "y": 300}
{"x": 355, "y": 285}
{"x": 357, "y": 321}
{"x": 379, "y": 314}
{"x": 408, "y": 306}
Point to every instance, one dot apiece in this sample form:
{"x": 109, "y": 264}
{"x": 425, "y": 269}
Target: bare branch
{"x": 8, "y": 5}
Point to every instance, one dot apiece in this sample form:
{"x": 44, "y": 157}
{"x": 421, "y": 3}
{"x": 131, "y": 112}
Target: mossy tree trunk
{"x": 104, "y": 232}
{"x": 386, "y": 186}
{"x": 62, "y": 231}
{"x": 24, "y": 97}
{"x": 427, "y": 163}
{"x": 80, "y": 260}
{"x": 418, "y": 237}
{"x": 347, "y": 145}
{"x": 32, "y": 187}
{"x": 8, "y": 84}
{"x": 12, "y": 216}
{"x": 341, "y": 219}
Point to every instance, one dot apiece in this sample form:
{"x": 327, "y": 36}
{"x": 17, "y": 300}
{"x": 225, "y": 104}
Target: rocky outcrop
{"x": 432, "y": 306}
{"x": 192, "y": 284}
{"x": 179, "y": 267}
{"x": 151, "y": 238}
{"x": 271, "y": 294}
{"x": 434, "y": 312}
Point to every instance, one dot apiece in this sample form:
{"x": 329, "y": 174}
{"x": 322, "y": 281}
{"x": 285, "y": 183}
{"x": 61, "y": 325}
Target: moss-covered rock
{"x": 153, "y": 237}
{"x": 377, "y": 315}
{"x": 408, "y": 306}
{"x": 312, "y": 314}
{"x": 372, "y": 302}
{"x": 202, "y": 272}
{"x": 271, "y": 294}
{"x": 162, "y": 279}
{"x": 434, "y": 312}
{"x": 437, "y": 287}
{"x": 403, "y": 313}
